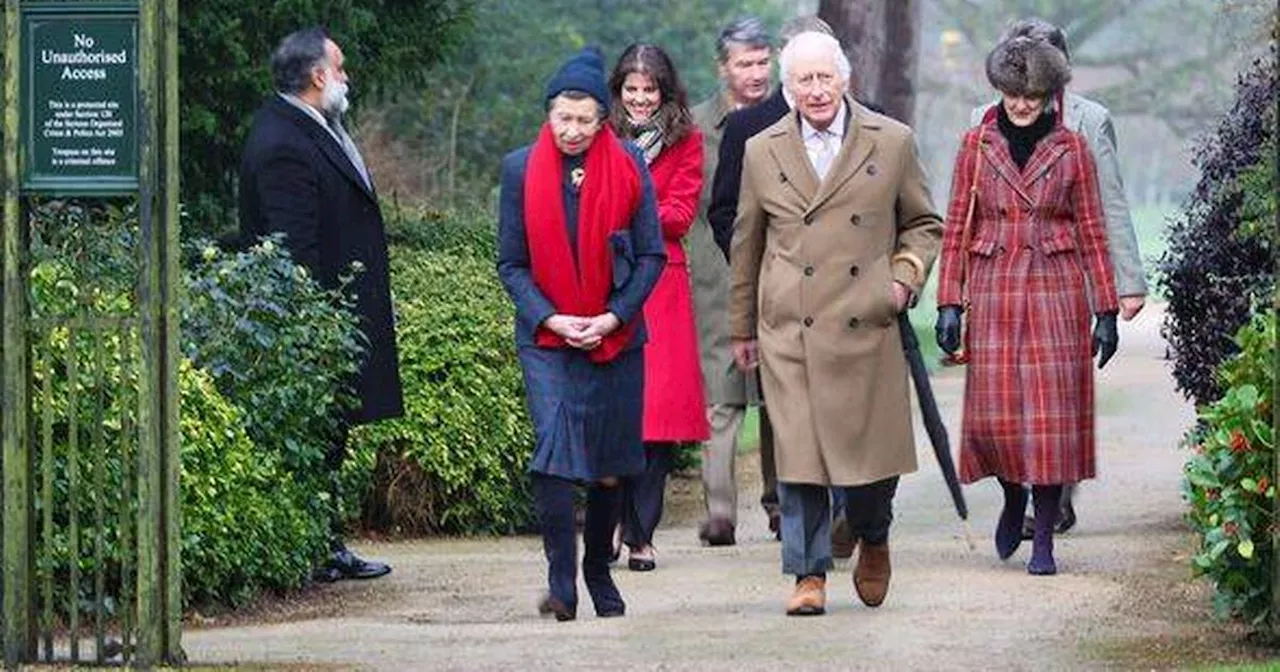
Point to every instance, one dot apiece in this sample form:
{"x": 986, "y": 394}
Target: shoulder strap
{"x": 966, "y": 233}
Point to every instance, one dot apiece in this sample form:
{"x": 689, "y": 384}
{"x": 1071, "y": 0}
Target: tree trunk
{"x": 882, "y": 41}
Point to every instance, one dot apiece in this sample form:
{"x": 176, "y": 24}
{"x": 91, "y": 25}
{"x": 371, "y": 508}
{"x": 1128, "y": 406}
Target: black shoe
{"x": 326, "y": 574}
{"x": 717, "y": 532}
{"x": 1066, "y": 518}
{"x": 351, "y": 566}
{"x": 1028, "y": 528}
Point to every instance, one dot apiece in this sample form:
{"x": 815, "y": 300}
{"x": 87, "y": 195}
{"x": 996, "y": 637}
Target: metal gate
{"x": 90, "y": 405}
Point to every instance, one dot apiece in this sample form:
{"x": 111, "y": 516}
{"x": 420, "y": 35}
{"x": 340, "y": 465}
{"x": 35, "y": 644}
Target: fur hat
{"x": 1024, "y": 65}
{"x": 583, "y": 72}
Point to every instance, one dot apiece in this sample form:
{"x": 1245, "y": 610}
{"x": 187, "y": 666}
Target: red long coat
{"x": 674, "y": 403}
{"x": 1037, "y": 270}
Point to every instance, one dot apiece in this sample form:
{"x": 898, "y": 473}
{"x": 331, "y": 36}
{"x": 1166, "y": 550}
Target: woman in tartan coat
{"x": 1028, "y": 267}
{"x": 579, "y": 251}
{"x": 651, "y": 109}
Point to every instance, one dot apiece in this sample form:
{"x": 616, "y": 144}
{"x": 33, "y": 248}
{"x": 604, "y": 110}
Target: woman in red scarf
{"x": 579, "y": 250}
{"x": 651, "y": 109}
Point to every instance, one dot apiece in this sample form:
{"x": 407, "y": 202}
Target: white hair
{"x": 808, "y": 42}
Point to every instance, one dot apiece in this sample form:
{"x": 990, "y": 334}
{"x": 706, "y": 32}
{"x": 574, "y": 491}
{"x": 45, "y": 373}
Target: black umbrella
{"x": 932, "y": 419}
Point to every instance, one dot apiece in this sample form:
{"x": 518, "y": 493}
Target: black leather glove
{"x": 947, "y": 329}
{"x": 1105, "y": 337}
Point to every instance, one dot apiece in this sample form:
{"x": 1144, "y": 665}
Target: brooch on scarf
{"x": 576, "y": 176}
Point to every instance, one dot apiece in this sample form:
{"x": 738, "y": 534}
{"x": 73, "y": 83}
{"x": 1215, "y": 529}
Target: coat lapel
{"x": 996, "y": 150}
{"x": 330, "y": 147}
{"x": 788, "y": 152}
{"x": 1047, "y": 152}
{"x": 854, "y": 152}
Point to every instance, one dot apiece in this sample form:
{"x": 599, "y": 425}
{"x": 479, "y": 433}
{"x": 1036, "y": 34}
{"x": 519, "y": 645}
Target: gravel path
{"x": 469, "y": 604}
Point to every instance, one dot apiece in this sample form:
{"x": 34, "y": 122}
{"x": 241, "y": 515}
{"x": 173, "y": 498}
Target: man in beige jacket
{"x": 835, "y": 235}
{"x": 744, "y": 60}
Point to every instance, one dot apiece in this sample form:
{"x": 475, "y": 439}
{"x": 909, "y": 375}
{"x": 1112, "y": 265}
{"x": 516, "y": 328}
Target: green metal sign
{"x": 80, "y": 98}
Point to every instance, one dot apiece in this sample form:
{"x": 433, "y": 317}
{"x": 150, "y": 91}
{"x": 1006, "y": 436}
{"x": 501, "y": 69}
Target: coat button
{"x": 853, "y": 270}
{"x": 856, "y": 220}
{"x": 808, "y": 270}
{"x": 808, "y": 321}
{"x": 871, "y": 169}
{"x": 853, "y": 323}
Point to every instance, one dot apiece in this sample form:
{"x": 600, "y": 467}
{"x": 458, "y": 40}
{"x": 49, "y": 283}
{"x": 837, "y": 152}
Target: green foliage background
{"x": 1228, "y": 479}
{"x": 224, "y": 47}
{"x": 487, "y": 99}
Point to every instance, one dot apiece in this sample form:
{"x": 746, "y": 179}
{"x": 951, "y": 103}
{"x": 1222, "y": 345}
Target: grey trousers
{"x": 806, "y": 521}
{"x": 719, "y": 455}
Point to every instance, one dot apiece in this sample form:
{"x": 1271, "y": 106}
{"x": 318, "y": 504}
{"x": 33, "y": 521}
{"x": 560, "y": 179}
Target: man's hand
{"x": 901, "y": 296}
{"x": 1130, "y": 306}
{"x": 746, "y": 354}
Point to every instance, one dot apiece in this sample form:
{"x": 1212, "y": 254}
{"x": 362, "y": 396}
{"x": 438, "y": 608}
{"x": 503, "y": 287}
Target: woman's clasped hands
{"x": 584, "y": 333}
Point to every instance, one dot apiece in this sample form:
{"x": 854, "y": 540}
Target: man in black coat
{"x": 302, "y": 175}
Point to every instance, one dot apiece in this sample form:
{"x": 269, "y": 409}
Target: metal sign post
{"x": 90, "y": 109}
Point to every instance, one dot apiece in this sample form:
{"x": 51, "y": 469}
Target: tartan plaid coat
{"x": 1037, "y": 267}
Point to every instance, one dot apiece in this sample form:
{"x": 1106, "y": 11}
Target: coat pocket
{"x": 1057, "y": 243}
{"x": 985, "y": 248}
{"x": 624, "y": 257}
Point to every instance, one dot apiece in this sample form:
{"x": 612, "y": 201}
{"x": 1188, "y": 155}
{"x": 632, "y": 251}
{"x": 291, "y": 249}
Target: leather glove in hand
{"x": 1105, "y": 337}
{"x": 947, "y": 329}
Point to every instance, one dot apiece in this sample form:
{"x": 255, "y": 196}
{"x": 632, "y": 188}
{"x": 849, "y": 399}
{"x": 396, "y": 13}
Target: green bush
{"x": 278, "y": 345}
{"x": 1228, "y": 478}
{"x": 245, "y": 522}
{"x": 455, "y": 463}
{"x": 248, "y": 524}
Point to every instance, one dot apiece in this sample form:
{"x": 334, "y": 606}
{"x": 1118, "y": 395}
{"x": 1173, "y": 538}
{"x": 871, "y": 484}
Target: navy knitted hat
{"x": 583, "y": 72}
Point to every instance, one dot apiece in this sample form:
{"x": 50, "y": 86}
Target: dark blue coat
{"x": 586, "y": 417}
{"x": 295, "y": 179}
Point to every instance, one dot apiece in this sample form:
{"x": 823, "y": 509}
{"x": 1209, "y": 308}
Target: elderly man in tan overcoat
{"x": 835, "y": 235}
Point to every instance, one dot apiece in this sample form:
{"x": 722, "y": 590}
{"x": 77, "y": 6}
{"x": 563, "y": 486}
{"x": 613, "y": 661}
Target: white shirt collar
{"x": 808, "y": 132}
{"x": 311, "y": 112}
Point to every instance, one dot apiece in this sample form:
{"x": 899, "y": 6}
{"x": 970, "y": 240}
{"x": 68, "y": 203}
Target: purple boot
{"x": 1009, "y": 529}
{"x": 1045, "y": 499}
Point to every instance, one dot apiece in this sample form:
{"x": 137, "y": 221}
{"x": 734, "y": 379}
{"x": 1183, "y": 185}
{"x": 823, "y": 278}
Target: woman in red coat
{"x": 651, "y": 109}
{"x": 1025, "y": 256}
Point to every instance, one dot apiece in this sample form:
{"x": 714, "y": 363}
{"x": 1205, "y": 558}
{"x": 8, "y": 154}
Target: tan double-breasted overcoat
{"x": 813, "y": 262}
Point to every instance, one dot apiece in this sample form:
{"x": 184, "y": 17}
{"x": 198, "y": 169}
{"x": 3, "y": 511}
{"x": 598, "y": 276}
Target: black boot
{"x": 1066, "y": 510}
{"x": 1009, "y": 529}
{"x": 597, "y": 540}
{"x": 553, "y": 498}
{"x": 1045, "y": 499}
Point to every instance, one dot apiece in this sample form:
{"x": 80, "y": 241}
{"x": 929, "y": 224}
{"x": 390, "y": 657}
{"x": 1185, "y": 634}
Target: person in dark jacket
{"x": 302, "y": 175}
{"x": 579, "y": 250}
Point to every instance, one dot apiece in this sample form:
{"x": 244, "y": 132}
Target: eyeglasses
{"x": 811, "y": 80}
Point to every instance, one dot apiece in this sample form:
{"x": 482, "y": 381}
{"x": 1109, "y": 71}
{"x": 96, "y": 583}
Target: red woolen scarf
{"x": 608, "y": 197}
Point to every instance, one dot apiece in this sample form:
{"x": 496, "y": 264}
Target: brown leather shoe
{"x": 871, "y": 575}
{"x": 809, "y": 598}
{"x": 842, "y": 541}
{"x": 551, "y": 605}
